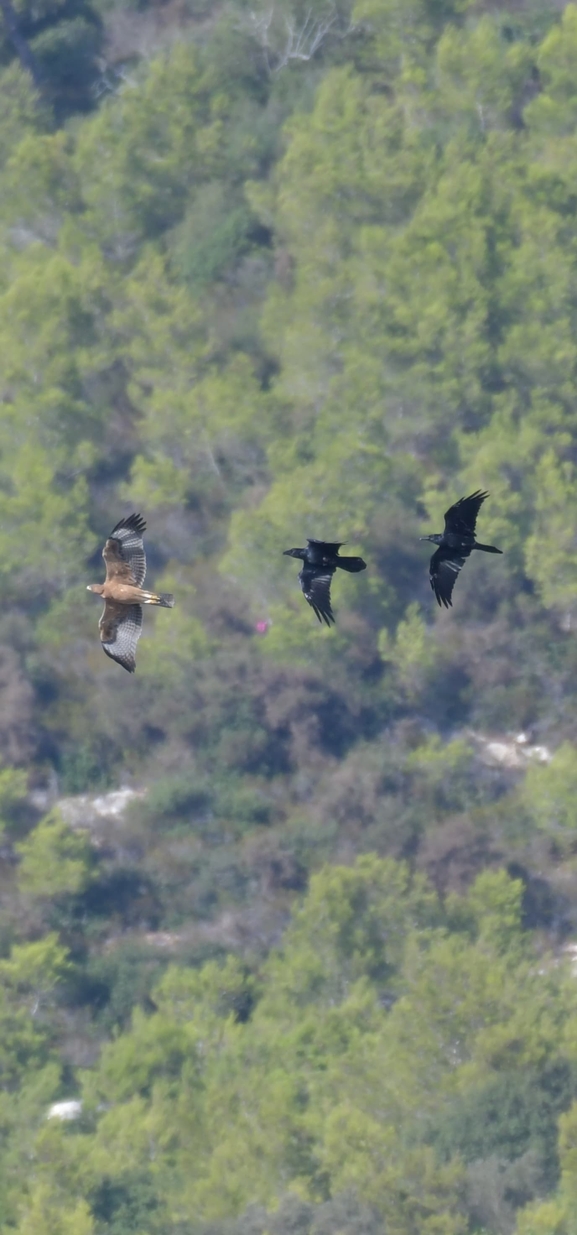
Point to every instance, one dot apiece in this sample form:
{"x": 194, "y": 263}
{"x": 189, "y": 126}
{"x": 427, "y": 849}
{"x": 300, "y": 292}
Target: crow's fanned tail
{"x": 352, "y": 564}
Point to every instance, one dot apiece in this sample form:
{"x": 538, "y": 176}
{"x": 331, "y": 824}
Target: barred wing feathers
{"x": 124, "y": 551}
{"x": 120, "y": 629}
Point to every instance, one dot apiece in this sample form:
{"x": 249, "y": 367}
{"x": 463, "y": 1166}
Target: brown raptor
{"x": 121, "y": 621}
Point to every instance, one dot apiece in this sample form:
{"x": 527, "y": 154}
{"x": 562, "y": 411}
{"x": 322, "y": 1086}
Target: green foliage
{"x": 65, "y": 41}
{"x": 510, "y": 1115}
{"x": 18, "y": 108}
{"x": 67, "y": 53}
{"x": 53, "y": 860}
{"x": 550, "y": 797}
{"x": 147, "y": 148}
{"x": 555, "y": 110}
{"x": 413, "y": 653}
{"x": 34, "y": 969}
{"x": 328, "y": 1084}
{"x": 13, "y": 789}
{"x": 359, "y": 919}
{"x": 496, "y": 903}
{"x": 557, "y": 1215}
{"x": 46, "y": 1215}
{"x": 213, "y": 236}
{"x": 444, "y": 773}
{"x": 551, "y": 542}
{"x": 301, "y": 272}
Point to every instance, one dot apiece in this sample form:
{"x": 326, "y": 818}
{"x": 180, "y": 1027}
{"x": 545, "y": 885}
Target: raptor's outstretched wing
{"x": 120, "y": 629}
{"x": 124, "y": 551}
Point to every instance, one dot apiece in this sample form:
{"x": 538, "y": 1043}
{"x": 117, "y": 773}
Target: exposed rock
{"x": 509, "y": 752}
{"x": 84, "y": 811}
{"x": 70, "y": 1109}
{"x": 570, "y": 951}
{"x": 163, "y": 939}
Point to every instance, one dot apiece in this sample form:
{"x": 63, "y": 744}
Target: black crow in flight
{"x": 455, "y": 544}
{"x": 320, "y": 560}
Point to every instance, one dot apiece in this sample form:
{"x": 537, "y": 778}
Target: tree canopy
{"x": 270, "y": 273}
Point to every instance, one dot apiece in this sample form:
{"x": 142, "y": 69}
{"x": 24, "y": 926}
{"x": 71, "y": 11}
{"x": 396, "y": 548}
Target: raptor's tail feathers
{"x": 164, "y": 599}
{"x": 352, "y": 564}
{"x": 488, "y": 548}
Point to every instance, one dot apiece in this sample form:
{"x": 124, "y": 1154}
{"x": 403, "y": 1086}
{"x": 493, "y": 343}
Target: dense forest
{"x": 305, "y": 268}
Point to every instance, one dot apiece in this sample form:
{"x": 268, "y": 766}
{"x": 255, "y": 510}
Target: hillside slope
{"x": 308, "y": 271}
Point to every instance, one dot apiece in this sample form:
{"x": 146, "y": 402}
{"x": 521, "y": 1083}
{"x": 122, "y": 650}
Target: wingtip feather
{"x": 130, "y": 666}
{"x": 134, "y": 522}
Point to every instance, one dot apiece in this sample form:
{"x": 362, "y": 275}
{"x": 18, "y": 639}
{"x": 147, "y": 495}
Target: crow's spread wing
{"x": 326, "y": 546}
{"x": 120, "y": 628}
{"x": 462, "y": 517}
{"x": 443, "y": 572}
{"x": 316, "y": 586}
{"x": 124, "y": 551}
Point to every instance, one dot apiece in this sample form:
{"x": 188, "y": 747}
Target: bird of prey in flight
{"x": 320, "y": 559}
{"x": 121, "y": 622}
{"x": 455, "y": 544}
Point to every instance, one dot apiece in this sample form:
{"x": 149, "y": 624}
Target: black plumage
{"x": 456, "y": 543}
{"x": 320, "y": 559}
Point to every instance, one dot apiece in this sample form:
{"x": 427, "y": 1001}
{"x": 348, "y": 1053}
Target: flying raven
{"x": 320, "y": 560}
{"x": 455, "y": 544}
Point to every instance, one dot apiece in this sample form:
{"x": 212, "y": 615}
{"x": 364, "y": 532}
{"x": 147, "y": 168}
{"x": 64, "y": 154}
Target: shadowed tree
{"x": 26, "y": 56}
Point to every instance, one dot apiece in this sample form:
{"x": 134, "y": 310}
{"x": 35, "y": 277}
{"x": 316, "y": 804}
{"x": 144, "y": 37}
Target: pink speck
{"x": 261, "y": 627}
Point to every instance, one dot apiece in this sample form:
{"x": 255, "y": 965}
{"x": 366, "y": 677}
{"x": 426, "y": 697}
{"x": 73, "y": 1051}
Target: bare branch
{"x": 261, "y": 24}
{"x": 299, "y": 42}
{"x": 304, "y": 43}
